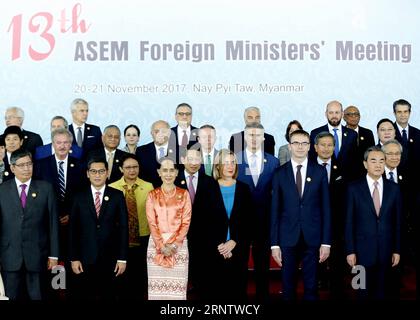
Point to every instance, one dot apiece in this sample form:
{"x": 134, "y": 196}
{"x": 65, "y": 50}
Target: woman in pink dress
{"x": 168, "y": 210}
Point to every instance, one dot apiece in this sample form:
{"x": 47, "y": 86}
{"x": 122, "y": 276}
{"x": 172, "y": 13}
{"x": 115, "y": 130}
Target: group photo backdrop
{"x": 135, "y": 61}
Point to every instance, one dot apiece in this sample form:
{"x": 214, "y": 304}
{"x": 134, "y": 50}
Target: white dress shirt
{"x": 400, "y": 129}
{"x": 395, "y": 177}
{"x": 328, "y": 166}
{"x": 65, "y": 164}
{"x": 76, "y": 130}
{"x": 194, "y": 181}
{"x": 302, "y": 171}
{"x": 371, "y": 185}
{"x": 181, "y": 134}
{"x": 165, "y": 150}
{"x": 339, "y": 134}
{"x": 258, "y": 159}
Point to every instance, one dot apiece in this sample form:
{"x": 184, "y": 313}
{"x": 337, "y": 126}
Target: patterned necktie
{"x": 337, "y": 143}
{"x": 391, "y": 176}
{"x": 79, "y": 139}
{"x": 23, "y": 195}
{"x": 404, "y": 137}
{"x": 375, "y": 197}
{"x": 110, "y": 163}
{"x": 184, "y": 142}
{"x": 253, "y": 168}
{"x": 208, "y": 166}
{"x": 61, "y": 182}
{"x": 161, "y": 154}
{"x": 299, "y": 180}
{"x": 133, "y": 218}
{"x": 191, "y": 189}
{"x": 97, "y": 203}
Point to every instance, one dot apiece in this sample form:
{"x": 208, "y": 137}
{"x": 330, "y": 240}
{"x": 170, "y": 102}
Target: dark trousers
{"x": 131, "y": 285}
{"x": 378, "y": 284}
{"x": 261, "y": 254}
{"x": 291, "y": 256}
{"x": 23, "y": 284}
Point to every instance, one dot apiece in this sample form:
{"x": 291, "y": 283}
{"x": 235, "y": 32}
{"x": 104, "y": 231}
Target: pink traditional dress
{"x": 169, "y": 217}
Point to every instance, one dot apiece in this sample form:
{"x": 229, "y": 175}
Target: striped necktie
{"x": 61, "y": 181}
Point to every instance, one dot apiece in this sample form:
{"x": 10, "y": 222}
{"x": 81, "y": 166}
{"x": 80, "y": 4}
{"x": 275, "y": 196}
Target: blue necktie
{"x": 61, "y": 182}
{"x": 337, "y": 146}
{"x": 391, "y": 176}
{"x": 404, "y": 137}
{"x": 161, "y": 154}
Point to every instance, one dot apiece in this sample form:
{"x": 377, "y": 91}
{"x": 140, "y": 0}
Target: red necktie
{"x": 97, "y": 203}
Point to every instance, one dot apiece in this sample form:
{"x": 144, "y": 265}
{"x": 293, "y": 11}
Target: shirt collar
{"x": 320, "y": 161}
{"x": 18, "y": 183}
{"x": 304, "y": 163}
{"x": 331, "y": 128}
{"x": 371, "y": 182}
{"x": 249, "y": 154}
{"x": 186, "y": 174}
{"x": 93, "y": 189}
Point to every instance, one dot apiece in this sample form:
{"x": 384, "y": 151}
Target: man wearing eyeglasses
{"x": 29, "y": 244}
{"x": 98, "y": 236}
{"x": 135, "y": 192}
{"x": 345, "y": 148}
{"x": 183, "y": 135}
{"x": 300, "y": 218}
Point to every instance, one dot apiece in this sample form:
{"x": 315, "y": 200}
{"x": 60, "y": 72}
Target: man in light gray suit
{"x": 28, "y": 230}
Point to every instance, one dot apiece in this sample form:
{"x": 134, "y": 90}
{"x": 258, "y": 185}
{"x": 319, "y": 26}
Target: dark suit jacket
{"x": 116, "y": 173}
{"x": 103, "y": 239}
{"x": 46, "y": 151}
{"x": 216, "y": 224}
{"x": 92, "y": 138}
{"x": 237, "y": 143}
{"x": 203, "y": 203}
{"x": 202, "y": 168}
{"x": 46, "y": 169}
{"x": 291, "y": 215}
{"x": 149, "y": 164}
{"x": 373, "y": 239}
{"x": 365, "y": 140}
{"x": 31, "y": 141}
{"x": 7, "y": 174}
{"x": 411, "y": 153}
{"x": 348, "y": 156}
{"x": 28, "y": 236}
{"x": 261, "y": 193}
{"x": 173, "y": 142}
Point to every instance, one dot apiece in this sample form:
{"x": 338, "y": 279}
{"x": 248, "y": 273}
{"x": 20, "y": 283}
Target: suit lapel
{"x": 368, "y": 197}
{"x": 91, "y": 203}
{"x": 291, "y": 177}
{"x": 106, "y": 198}
{"x": 32, "y": 194}
{"x": 309, "y": 172}
{"x": 386, "y": 197}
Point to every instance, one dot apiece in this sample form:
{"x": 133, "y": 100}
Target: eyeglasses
{"x": 300, "y": 144}
{"x": 24, "y": 165}
{"x": 95, "y": 172}
{"x": 131, "y": 168}
{"x": 184, "y": 114}
{"x": 353, "y": 114}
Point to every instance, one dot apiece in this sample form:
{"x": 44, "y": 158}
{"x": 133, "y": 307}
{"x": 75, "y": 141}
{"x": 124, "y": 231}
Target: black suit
{"x": 149, "y": 164}
{"x": 237, "y": 143}
{"x": 227, "y": 278}
{"x": 7, "y": 174}
{"x": 116, "y": 173}
{"x": 98, "y": 242}
{"x": 173, "y": 141}
{"x": 28, "y": 236}
{"x": 92, "y": 138}
{"x": 201, "y": 208}
{"x": 46, "y": 169}
{"x": 365, "y": 139}
{"x": 347, "y": 157}
{"x": 31, "y": 141}
{"x": 373, "y": 238}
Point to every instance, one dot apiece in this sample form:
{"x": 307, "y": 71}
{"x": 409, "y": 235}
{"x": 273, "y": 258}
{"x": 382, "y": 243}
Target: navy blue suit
{"x": 260, "y": 218}
{"x": 347, "y": 159}
{"x": 47, "y": 150}
{"x": 373, "y": 239}
{"x": 92, "y": 138}
{"x": 300, "y": 225}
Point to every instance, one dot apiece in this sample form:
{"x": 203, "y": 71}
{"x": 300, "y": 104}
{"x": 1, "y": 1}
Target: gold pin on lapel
{"x": 335, "y": 167}
{"x": 106, "y": 198}
{"x": 362, "y": 138}
{"x": 308, "y": 179}
{"x": 6, "y": 173}
{"x": 170, "y": 150}
{"x": 183, "y": 182}
{"x": 400, "y": 177}
{"x": 88, "y": 128}
{"x": 33, "y": 195}
{"x": 71, "y": 165}
{"x": 70, "y": 151}
{"x": 116, "y": 160}
{"x": 411, "y": 140}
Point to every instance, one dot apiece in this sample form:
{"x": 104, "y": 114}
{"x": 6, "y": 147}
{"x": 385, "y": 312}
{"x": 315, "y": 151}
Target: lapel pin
{"x": 117, "y": 160}
{"x": 362, "y": 138}
{"x": 106, "y": 198}
{"x": 308, "y": 179}
{"x": 33, "y": 195}
{"x": 183, "y": 182}
{"x": 170, "y": 150}
{"x": 88, "y": 128}
{"x": 335, "y": 167}
{"x": 265, "y": 160}
{"x": 26, "y": 137}
{"x": 179, "y": 197}
{"x": 400, "y": 177}
{"x": 411, "y": 140}
{"x": 345, "y": 134}
{"x": 193, "y": 134}
{"x": 71, "y": 165}
{"x": 6, "y": 173}
{"x": 70, "y": 151}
